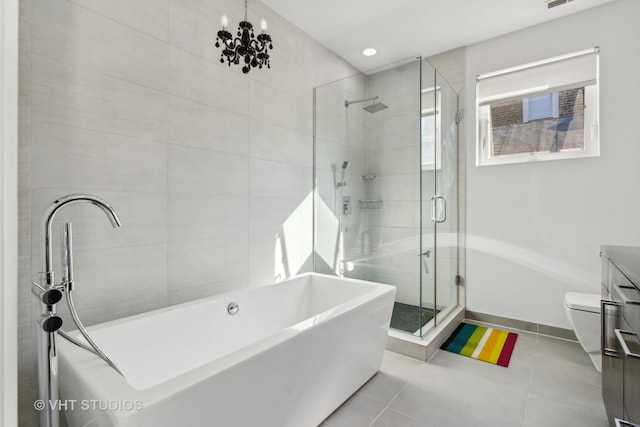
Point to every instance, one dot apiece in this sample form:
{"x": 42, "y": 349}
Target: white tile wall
{"x": 274, "y": 179}
{"x": 87, "y": 159}
{"x": 78, "y": 97}
{"x": 203, "y": 217}
{"x": 194, "y": 124}
{"x": 199, "y": 79}
{"x": 127, "y": 100}
{"x": 289, "y": 149}
{"x": 204, "y": 261}
{"x": 197, "y": 171}
{"x": 148, "y": 16}
{"x": 95, "y": 42}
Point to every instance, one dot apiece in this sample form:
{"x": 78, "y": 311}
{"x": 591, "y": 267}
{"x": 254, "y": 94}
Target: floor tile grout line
{"x": 535, "y": 348}
{"x": 378, "y": 416}
{"x": 388, "y": 406}
{"x": 526, "y": 400}
{"x": 399, "y": 412}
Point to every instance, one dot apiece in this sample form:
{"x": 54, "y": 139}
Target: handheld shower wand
{"x": 342, "y": 182}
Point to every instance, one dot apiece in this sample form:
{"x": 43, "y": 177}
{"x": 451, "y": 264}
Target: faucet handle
{"x": 51, "y": 296}
{"x": 48, "y": 296}
{"x": 50, "y": 322}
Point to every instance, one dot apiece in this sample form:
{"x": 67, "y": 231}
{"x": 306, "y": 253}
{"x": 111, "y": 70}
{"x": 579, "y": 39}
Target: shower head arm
{"x": 358, "y": 101}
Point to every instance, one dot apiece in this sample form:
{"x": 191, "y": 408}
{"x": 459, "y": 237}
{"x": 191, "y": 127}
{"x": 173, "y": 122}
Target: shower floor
{"x": 410, "y": 318}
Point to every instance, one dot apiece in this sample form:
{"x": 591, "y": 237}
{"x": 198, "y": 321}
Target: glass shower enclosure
{"x": 386, "y": 187}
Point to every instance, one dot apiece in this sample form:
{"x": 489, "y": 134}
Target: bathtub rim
{"x": 97, "y": 377}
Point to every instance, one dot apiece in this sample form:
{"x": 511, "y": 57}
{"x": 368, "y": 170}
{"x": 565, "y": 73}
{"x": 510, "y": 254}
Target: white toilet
{"x": 583, "y": 311}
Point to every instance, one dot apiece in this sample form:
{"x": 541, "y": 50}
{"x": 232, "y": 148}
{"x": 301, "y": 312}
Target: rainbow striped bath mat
{"x": 482, "y": 343}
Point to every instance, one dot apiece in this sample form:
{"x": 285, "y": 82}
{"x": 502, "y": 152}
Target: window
{"x": 430, "y": 127}
{"x": 546, "y": 110}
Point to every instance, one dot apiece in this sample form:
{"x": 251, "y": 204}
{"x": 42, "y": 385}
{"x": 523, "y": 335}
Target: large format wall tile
{"x": 198, "y": 125}
{"x": 271, "y": 142}
{"x": 197, "y": 171}
{"x": 148, "y": 16}
{"x": 72, "y": 159}
{"x": 272, "y": 105}
{"x": 85, "y": 39}
{"x": 206, "y": 261}
{"x": 269, "y": 214}
{"x": 194, "y": 24}
{"x": 207, "y": 81}
{"x": 82, "y": 98}
{"x": 204, "y": 217}
{"x": 272, "y": 179}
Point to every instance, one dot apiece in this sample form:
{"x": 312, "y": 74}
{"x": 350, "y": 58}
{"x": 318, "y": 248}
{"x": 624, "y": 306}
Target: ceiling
{"x": 400, "y": 29}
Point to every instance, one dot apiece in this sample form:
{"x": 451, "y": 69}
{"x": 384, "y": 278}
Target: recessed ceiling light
{"x": 369, "y": 51}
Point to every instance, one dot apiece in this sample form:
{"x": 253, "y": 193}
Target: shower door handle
{"x": 438, "y": 209}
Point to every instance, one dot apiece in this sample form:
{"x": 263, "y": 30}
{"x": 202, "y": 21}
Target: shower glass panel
{"x": 382, "y": 179}
{"x": 393, "y": 145}
{"x": 439, "y": 192}
{"x": 429, "y": 162}
{"x": 340, "y": 162}
{"x": 447, "y": 250}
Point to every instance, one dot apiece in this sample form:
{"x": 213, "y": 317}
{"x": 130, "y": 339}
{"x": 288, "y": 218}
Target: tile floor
{"x": 549, "y": 382}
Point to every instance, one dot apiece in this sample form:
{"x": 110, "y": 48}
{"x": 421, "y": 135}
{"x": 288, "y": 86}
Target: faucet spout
{"x": 50, "y": 214}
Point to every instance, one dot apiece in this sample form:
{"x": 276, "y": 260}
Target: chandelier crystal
{"x": 252, "y": 51}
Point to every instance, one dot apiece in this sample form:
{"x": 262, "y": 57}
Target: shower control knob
{"x": 51, "y": 296}
{"x": 50, "y": 322}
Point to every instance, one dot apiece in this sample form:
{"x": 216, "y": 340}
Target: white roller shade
{"x": 569, "y": 71}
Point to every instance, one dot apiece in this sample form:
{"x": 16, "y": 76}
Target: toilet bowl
{"x": 583, "y": 311}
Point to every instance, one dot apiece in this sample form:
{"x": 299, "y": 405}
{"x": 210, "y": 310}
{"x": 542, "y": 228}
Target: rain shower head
{"x": 373, "y": 108}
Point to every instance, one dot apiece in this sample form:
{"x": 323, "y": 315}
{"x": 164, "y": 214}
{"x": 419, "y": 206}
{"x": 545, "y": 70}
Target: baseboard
{"x": 523, "y": 325}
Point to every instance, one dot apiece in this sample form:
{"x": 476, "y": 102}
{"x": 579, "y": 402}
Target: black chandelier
{"x": 246, "y": 47}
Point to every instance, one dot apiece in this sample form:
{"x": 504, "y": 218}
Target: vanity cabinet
{"x": 620, "y": 315}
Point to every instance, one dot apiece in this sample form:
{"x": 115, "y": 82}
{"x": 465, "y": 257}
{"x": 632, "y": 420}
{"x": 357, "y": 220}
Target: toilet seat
{"x": 583, "y": 302}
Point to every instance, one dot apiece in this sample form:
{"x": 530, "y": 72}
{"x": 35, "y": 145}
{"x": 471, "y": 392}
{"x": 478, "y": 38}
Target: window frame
{"x": 484, "y": 156}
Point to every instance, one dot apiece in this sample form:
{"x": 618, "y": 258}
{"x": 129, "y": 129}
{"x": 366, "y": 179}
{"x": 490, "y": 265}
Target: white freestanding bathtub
{"x": 291, "y": 355}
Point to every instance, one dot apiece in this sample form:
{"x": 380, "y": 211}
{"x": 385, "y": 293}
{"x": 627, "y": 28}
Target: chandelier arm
{"x": 236, "y": 56}
{"x": 236, "y": 41}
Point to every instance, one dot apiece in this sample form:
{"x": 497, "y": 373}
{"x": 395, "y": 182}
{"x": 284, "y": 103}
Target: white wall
{"x": 534, "y": 229}
{"x": 8, "y": 212}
